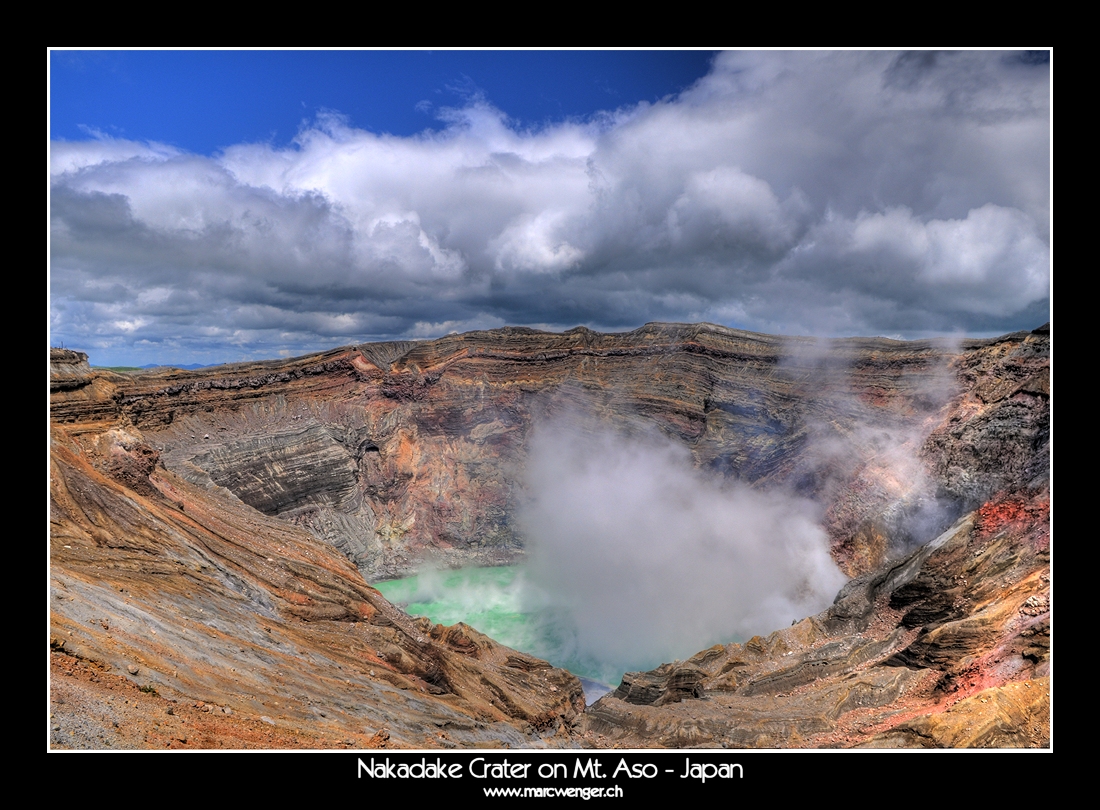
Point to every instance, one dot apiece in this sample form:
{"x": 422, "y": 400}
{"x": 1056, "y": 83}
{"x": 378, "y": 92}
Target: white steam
{"x": 653, "y": 559}
{"x": 864, "y": 446}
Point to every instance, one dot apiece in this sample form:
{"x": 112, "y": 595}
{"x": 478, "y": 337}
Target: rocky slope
{"x": 209, "y": 506}
{"x": 202, "y": 601}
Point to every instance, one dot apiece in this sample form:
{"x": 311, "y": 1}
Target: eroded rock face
{"x": 201, "y": 600}
{"x": 284, "y": 473}
{"x": 69, "y": 370}
{"x": 393, "y": 452}
{"x": 241, "y": 492}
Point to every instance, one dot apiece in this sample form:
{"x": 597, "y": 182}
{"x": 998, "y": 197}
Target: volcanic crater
{"x": 213, "y": 533}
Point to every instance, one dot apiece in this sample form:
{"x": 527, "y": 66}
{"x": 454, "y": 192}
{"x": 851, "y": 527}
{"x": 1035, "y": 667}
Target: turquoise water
{"x": 502, "y": 603}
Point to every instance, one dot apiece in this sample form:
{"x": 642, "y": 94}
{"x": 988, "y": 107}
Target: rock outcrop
{"x": 221, "y": 508}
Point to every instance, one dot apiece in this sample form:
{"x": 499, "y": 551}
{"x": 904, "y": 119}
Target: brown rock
{"x": 222, "y": 507}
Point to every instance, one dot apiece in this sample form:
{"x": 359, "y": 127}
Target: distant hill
{"x": 185, "y": 367}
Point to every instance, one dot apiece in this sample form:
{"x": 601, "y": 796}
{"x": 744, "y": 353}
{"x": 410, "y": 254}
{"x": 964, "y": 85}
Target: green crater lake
{"x": 501, "y": 603}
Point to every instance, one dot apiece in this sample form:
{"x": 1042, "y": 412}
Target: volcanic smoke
{"x": 654, "y": 560}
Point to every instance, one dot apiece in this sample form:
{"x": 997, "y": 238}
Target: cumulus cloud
{"x": 829, "y": 193}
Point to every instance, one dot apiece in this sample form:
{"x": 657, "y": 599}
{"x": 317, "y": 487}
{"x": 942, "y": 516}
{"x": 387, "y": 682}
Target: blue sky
{"x": 203, "y": 101}
{"x": 219, "y": 206}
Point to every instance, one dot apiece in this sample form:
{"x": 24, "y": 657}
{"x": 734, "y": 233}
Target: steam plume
{"x": 655, "y": 561}
{"x": 864, "y": 458}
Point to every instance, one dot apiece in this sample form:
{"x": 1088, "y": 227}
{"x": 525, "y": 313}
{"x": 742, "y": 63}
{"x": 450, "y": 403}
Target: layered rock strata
{"x": 393, "y": 452}
{"x": 244, "y": 481}
{"x": 200, "y": 600}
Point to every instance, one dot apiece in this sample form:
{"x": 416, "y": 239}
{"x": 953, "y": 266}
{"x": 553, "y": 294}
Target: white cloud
{"x": 859, "y": 192}
{"x": 71, "y": 156}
